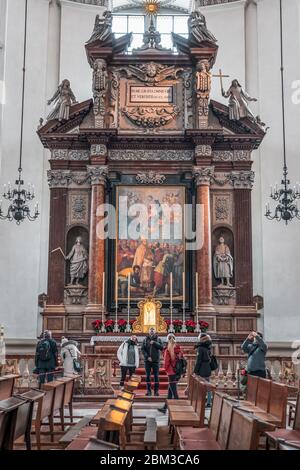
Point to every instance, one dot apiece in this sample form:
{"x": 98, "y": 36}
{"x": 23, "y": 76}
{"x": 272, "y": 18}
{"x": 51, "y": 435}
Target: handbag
{"x": 214, "y": 365}
{"x": 76, "y": 362}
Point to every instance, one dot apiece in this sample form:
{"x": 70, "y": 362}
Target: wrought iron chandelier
{"x": 18, "y": 196}
{"x": 285, "y": 196}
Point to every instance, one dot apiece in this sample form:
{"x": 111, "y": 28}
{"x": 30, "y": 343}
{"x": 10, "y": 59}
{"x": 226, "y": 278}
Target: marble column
{"x": 203, "y": 257}
{"x": 97, "y": 176}
{"x": 243, "y": 181}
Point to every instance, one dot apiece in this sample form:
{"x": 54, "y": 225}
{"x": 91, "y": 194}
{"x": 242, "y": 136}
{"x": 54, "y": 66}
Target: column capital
{"x": 65, "y": 178}
{"x": 97, "y": 174}
{"x": 203, "y": 175}
{"x": 242, "y": 179}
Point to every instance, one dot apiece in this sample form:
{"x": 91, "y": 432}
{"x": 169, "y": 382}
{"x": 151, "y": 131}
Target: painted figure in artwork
{"x": 63, "y": 99}
{"x": 78, "y": 258}
{"x": 223, "y": 263}
{"x": 238, "y": 102}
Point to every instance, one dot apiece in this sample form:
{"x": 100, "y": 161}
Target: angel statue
{"x": 223, "y": 263}
{"x": 238, "y": 102}
{"x": 78, "y": 257}
{"x": 63, "y": 98}
{"x": 198, "y": 31}
{"x": 102, "y": 28}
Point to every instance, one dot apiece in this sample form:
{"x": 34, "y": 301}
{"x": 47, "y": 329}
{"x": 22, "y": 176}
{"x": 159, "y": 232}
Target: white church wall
{"x": 20, "y": 274}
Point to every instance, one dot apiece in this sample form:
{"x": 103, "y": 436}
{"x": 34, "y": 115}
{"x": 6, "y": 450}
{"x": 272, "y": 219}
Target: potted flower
{"x": 97, "y": 325}
{"x": 190, "y": 326}
{"x": 177, "y": 324}
{"x": 168, "y": 323}
{"x": 122, "y": 325}
{"x": 131, "y": 322}
{"x": 203, "y": 326}
{"x": 109, "y": 326}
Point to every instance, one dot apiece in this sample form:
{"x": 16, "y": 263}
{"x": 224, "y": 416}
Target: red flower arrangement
{"x": 109, "y": 326}
{"x": 122, "y": 325}
{"x": 177, "y": 324}
{"x": 97, "y": 325}
{"x": 168, "y": 323}
{"x": 203, "y": 326}
{"x": 190, "y": 326}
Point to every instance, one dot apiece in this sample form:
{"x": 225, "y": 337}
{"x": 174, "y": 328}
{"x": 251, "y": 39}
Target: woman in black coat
{"x": 202, "y": 366}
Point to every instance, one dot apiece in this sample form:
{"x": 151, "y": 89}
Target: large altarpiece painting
{"x": 150, "y": 243}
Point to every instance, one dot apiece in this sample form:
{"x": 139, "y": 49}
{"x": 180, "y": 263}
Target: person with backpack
{"x": 46, "y": 358}
{"x": 70, "y": 356}
{"x": 203, "y": 361}
{"x": 151, "y": 348}
{"x": 175, "y": 367}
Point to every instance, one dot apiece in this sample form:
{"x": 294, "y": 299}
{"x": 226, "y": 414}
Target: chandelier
{"x": 285, "y": 196}
{"x": 19, "y": 197}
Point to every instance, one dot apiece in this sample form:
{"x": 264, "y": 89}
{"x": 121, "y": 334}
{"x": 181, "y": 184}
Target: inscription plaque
{"x": 144, "y": 94}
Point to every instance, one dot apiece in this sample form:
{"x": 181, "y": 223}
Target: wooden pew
{"x": 244, "y": 432}
{"x": 286, "y": 434}
{"x": 74, "y": 431}
{"x": 112, "y": 427}
{"x": 131, "y": 385}
{"x": 287, "y": 445}
{"x": 35, "y": 397}
{"x": 68, "y": 394}
{"x": 126, "y": 396}
{"x": 150, "y": 436}
{"x": 18, "y": 421}
{"x": 251, "y": 391}
{"x": 186, "y": 416}
{"x": 96, "y": 444}
{"x": 205, "y": 434}
{"x": 191, "y": 399}
{"x": 7, "y": 383}
{"x": 221, "y": 442}
{"x": 57, "y": 404}
{"x": 43, "y": 411}
{"x": 276, "y": 413}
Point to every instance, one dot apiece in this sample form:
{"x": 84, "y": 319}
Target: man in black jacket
{"x": 46, "y": 358}
{"x": 151, "y": 348}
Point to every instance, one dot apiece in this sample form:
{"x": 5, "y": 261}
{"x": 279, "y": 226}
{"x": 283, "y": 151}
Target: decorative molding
{"x": 97, "y": 174}
{"x": 224, "y": 296}
{"x": 76, "y": 295}
{"x": 73, "y": 155}
{"x": 151, "y": 118}
{"x": 98, "y": 150}
{"x": 222, "y": 208}
{"x": 241, "y": 155}
{"x": 223, "y": 155}
{"x": 152, "y": 73}
{"x": 78, "y": 207}
{"x": 151, "y": 155}
{"x": 151, "y": 177}
{"x": 203, "y": 176}
{"x": 203, "y": 151}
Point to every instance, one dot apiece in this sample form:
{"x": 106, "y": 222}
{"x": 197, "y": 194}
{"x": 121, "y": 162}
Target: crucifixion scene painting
{"x": 149, "y": 224}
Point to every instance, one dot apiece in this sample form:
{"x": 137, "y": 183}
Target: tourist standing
{"x": 46, "y": 358}
{"x": 70, "y": 355}
{"x": 172, "y": 355}
{"x": 152, "y": 346}
{"x": 256, "y": 349}
{"x": 203, "y": 359}
{"x": 128, "y": 356}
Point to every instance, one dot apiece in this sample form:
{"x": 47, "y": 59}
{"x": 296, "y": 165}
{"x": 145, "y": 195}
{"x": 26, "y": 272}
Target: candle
{"x": 183, "y": 296}
{"x": 128, "y": 304}
{"x": 197, "y": 303}
{"x": 116, "y": 297}
{"x": 103, "y": 290}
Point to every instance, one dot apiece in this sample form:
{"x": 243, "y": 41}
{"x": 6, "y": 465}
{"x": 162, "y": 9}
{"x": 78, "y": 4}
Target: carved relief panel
{"x": 151, "y": 98}
{"x": 78, "y": 207}
{"x": 222, "y": 208}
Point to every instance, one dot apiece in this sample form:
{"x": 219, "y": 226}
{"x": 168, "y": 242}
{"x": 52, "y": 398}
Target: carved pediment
{"x": 151, "y": 117}
{"x": 152, "y": 73}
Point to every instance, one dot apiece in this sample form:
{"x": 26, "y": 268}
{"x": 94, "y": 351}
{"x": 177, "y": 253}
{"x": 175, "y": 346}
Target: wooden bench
{"x": 68, "y": 393}
{"x": 287, "y": 445}
{"x": 43, "y": 411}
{"x": 7, "y": 383}
{"x": 112, "y": 428}
{"x": 286, "y": 434}
{"x": 17, "y": 416}
{"x": 35, "y": 397}
{"x": 190, "y": 416}
{"x": 150, "y": 437}
{"x": 74, "y": 431}
{"x": 57, "y": 404}
{"x": 191, "y": 399}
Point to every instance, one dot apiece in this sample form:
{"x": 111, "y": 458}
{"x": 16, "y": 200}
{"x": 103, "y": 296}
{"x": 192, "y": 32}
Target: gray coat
{"x": 256, "y": 354}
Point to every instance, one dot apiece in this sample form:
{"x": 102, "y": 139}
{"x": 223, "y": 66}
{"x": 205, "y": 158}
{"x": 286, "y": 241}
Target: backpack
{"x": 180, "y": 367}
{"x": 44, "y": 350}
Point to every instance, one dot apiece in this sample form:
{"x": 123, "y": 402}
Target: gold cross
{"x": 221, "y": 76}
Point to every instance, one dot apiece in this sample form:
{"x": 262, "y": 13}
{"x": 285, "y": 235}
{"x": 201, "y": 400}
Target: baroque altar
{"x": 151, "y": 133}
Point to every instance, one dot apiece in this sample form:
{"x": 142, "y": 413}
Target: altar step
{"x": 163, "y": 380}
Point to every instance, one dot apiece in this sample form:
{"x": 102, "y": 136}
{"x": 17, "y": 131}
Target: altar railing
{"x": 100, "y": 372}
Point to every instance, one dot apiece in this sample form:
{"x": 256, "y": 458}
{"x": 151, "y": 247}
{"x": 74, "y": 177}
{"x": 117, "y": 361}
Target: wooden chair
{"x": 205, "y": 434}
{"x": 286, "y": 434}
{"x": 263, "y": 395}
{"x": 251, "y": 392}
{"x": 191, "y": 397}
{"x": 244, "y": 432}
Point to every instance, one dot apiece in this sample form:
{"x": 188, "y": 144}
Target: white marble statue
{"x": 223, "y": 263}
